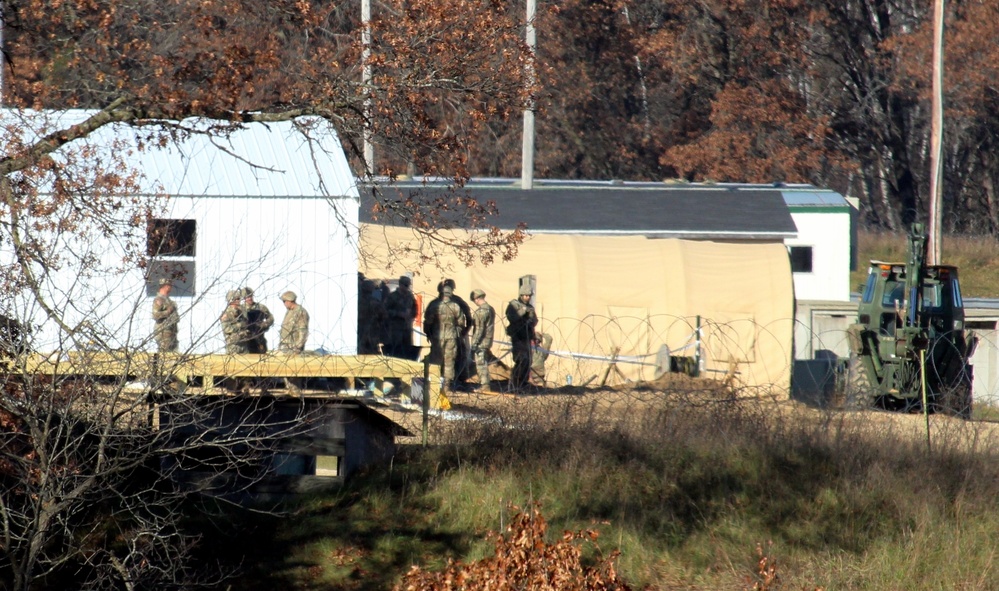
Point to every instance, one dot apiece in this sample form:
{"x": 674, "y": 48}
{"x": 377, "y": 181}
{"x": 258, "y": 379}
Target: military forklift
{"x": 910, "y": 331}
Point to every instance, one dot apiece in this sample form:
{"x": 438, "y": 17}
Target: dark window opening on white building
{"x": 171, "y": 246}
{"x": 801, "y": 259}
{"x": 171, "y": 238}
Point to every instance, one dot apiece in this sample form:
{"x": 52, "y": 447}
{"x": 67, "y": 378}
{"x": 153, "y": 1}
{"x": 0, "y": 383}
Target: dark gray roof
{"x": 755, "y": 212}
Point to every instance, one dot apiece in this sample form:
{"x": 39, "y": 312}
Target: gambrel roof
{"x": 285, "y": 159}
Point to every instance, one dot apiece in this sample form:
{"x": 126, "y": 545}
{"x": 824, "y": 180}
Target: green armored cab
{"x": 910, "y": 326}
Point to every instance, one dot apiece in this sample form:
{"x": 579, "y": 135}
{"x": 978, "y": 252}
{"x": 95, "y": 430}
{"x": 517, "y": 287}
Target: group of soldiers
{"x": 455, "y": 331}
{"x": 385, "y": 319}
{"x": 384, "y": 326}
{"x": 244, "y": 321}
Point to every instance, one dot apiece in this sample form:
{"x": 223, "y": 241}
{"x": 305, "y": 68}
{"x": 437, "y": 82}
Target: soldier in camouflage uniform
{"x": 295, "y": 326}
{"x": 370, "y": 320}
{"x": 521, "y": 320}
{"x": 484, "y": 318}
{"x": 450, "y": 325}
{"x": 165, "y": 318}
{"x": 258, "y": 321}
{"x": 431, "y": 326}
{"x": 401, "y": 311}
{"x": 234, "y": 325}
{"x": 294, "y": 333}
{"x": 461, "y": 361}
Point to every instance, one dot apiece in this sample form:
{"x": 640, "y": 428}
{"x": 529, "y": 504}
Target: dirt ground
{"x": 631, "y": 403}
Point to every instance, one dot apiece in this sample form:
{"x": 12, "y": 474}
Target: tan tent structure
{"x": 615, "y": 304}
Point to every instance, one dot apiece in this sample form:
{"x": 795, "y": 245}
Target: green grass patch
{"x": 686, "y": 504}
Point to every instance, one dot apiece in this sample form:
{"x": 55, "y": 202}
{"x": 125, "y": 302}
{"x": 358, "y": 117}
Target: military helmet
{"x": 289, "y": 296}
{"x": 448, "y": 290}
{"x": 525, "y": 289}
{"x": 476, "y": 294}
{"x": 165, "y": 281}
{"x": 232, "y": 296}
{"x": 247, "y": 292}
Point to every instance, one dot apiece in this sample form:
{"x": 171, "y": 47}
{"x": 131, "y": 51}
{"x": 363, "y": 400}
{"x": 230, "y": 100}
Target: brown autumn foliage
{"x": 439, "y": 73}
{"x": 820, "y": 91}
{"x": 525, "y": 560}
{"x": 83, "y": 494}
{"x": 831, "y": 93}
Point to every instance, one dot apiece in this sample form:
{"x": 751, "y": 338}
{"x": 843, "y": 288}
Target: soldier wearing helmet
{"x": 165, "y": 317}
{"x": 484, "y": 319}
{"x": 234, "y": 326}
{"x": 258, "y": 321}
{"x": 370, "y": 320}
{"x": 450, "y": 325}
{"x": 401, "y": 311}
{"x": 461, "y": 362}
{"x": 295, "y": 326}
{"x": 521, "y": 320}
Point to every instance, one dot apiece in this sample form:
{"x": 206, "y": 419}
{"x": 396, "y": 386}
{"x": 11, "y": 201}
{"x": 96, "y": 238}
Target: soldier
{"x": 234, "y": 325}
{"x": 521, "y": 320}
{"x": 165, "y": 318}
{"x": 430, "y": 325}
{"x": 401, "y": 312}
{"x": 295, "y": 326}
{"x": 258, "y": 321}
{"x": 482, "y": 336}
{"x": 370, "y": 320}
{"x": 461, "y": 369}
{"x": 540, "y": 355}
{"x": 450, "y": 325}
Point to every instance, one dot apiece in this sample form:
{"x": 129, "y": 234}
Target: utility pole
{"x": 3, "y": 61}
{"x": 933, "y": 249}
{"x": 369, "y": 147}
{"x": 527, "y": 154}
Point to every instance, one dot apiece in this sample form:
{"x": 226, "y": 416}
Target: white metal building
{"x": 823, "y": 252}
{"x": 272, "y": 206}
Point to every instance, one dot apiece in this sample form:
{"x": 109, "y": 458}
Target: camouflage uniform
{"x": 521, "y": 319}
{"x": 234, "y": 326}
{"x": 258, "y": 321}
{"x": 401, "y": 312}
{"x": 450, "y": 324}
{"x": 540, "y": 355}
{"x": 430, "y": 327}
{"x": 294, "y": 330}
{"x": 370, "y": 320}
{"x": 165, "y": 319}
{"x": 484, "y": 319}
{"x": 462, "y": 366}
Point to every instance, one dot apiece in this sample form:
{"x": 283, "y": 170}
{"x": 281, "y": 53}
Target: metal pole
{"x": 926, "y": 406}
{"x": 3, "y": 64}
{"x": 366, "y": 77}
{"x": 527, "y": 154}
{"x": 426, "y": 398}
{"x": 699, "y": 360}
{"x": 936, "y": 137}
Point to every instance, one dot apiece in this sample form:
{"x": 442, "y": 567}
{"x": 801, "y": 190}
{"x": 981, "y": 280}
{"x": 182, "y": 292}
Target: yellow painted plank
{"x": 209, "y": 367}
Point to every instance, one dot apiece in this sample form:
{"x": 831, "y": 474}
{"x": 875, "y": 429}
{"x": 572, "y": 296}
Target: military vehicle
{"x": 910, "y": 328}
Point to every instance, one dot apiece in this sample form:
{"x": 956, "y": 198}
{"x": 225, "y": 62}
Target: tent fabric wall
{"x": 599, "y": 294}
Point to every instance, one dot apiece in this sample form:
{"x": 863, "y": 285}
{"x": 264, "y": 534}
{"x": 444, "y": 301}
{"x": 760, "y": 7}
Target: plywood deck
{"x": 313, "y": 375}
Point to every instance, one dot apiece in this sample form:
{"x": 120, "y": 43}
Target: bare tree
{"x": 89, "y": 465}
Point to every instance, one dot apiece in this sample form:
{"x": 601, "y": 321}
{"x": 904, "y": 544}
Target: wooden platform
{"x": 309, "y": 375}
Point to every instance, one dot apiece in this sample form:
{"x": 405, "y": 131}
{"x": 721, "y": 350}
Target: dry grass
{"x": 977, "y": 258}
{"x": 688, "y": 480}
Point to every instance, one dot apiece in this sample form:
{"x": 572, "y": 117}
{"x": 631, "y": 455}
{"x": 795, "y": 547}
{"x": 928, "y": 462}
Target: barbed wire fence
{"x": 783, "y": 358}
